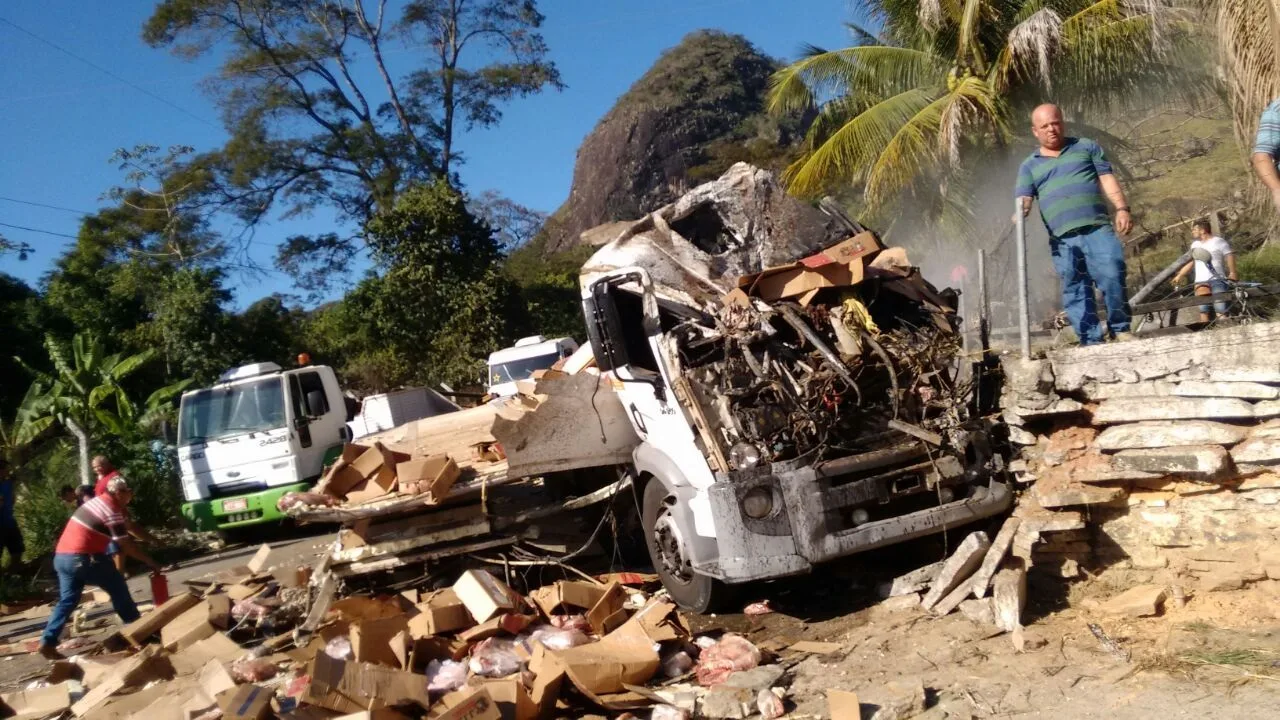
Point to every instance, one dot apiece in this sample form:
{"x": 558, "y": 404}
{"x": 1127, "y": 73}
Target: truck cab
{"x": 519, "y": 362}
{"x": 258, "y": 433}
{"x": 728, "y": 494}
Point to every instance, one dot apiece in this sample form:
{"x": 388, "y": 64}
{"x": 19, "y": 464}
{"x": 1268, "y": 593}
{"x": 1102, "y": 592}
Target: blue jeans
{"x": 1084, "y": 259}
{"x": 76, "y": 571}
{"x": 1215, "y": 287}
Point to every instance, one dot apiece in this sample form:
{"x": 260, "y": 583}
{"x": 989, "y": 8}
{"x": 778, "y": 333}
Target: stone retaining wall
{"x": 1158, "y": 453}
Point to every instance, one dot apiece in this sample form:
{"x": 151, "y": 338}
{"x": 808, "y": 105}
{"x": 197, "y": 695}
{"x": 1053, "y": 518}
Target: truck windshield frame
{"x": 521, "y": 368}
{"x": 220, "y": 412}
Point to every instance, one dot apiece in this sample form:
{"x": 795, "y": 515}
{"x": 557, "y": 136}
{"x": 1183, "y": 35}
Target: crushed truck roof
{"x": 696, "y": 248}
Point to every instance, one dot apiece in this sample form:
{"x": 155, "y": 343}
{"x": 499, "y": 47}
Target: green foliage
{"x": 40, "y": 513}
{"x": 435, "y": 308}
{"x": 548, "y": 287}
{"x": 307, "y": 131}
{"x": 23, "y": 335}
{"x": 22, "y": 249}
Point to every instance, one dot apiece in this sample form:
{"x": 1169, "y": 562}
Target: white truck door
{"x": 628, "y": 327}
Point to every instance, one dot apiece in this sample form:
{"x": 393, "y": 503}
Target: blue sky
{"x": 63, "y": 117}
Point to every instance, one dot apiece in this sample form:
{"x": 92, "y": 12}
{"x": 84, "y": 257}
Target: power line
{"x": 105, "y": 71}
{"x": 37, "y": 230}
{"x": 44, "y": 205}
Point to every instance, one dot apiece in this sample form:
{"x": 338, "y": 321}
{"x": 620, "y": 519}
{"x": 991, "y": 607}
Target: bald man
{"x": 1072, "y": 181}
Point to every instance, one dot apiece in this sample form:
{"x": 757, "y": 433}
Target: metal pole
{"x": 984, "y": 304}
{"x": 1024, "y": 312}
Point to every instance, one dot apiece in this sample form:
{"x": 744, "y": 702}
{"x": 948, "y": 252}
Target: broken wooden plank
{"x": 144, "y": 627}
{"x": 391, "y": 563}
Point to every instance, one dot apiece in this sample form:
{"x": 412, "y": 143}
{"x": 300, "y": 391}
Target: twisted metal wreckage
{"x": 809, "y": 363}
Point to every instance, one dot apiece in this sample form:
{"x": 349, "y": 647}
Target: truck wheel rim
{"x": 670, "y": 545}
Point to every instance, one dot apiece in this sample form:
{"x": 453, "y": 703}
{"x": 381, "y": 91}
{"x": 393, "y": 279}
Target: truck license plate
{"x": 235, "y": 504}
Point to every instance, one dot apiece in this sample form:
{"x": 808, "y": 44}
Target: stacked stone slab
{"x": 1157, "y": 452}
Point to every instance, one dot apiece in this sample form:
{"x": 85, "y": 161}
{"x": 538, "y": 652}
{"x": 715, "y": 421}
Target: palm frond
{"x": 100, "y": 393}
{"x": 863, "y": 36}
{"x": 934, "y": 133}
{"x": 970, "y": 48}
{"x": 28, "y": 431}
{"x": 879, "y": 69}
{"x": 1032, "y": 43}
{"x": 1249, "y": 43}
{"x": 849, "y": 152}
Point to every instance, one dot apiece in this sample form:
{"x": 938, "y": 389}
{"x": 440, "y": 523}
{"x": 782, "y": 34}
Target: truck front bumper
{"x": 229, "y": 512}
{"x": 810, "y": 521}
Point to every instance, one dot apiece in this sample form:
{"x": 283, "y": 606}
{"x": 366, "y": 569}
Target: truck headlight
{"x": 757, "y": 503}
{"x": 744, "y": 456}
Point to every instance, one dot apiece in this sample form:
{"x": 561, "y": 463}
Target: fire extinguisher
{"x": 159, "y": 588}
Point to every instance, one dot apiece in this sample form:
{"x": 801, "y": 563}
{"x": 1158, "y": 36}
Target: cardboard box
{"x": 349, "y": 687}
{"x": 188, "y": 628}
{"x": 510, "y": 623}
{"x": 566, "y": 596}
{"x": 246, "y": 702}
{"x": 127, "y": 671}
{"x": 440, "y": 612}
{"x": 383, "y": 714}
{"x": 603, "y": 670}
{"x": 434, "y": 475}
{"x": 847, "y": 251}
{"x": 382, "y": 482}
{"x": 511, "y": 697}
{"x": 371, "y": 640}
{"x": 215, "y": 680}
{"x": 796, "y": 281}
{"x": 35, "y": 704}
{"x": 467, "y": 704}
{"x": 196, "y": 656}
{"x": 658, "y": 621}
{"x": 367, "y": 463}
{"x": 484, "y": 595}
{"x": 144, "y": 627}
{"x": 607, "y": 614}
{"x": 844, "y": 705}
{"x": 219, "y": 611}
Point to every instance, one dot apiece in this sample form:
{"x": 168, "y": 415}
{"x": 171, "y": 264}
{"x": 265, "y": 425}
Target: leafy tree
{"x": 307, "y": 130}
{"x": 268, "y": 330}
{"x": 447, "y": 91}
{"x": 946, "y": 80}
{"x": 84, "y": 396}
{"x": 20, "y": 326}
{"x": 21, "y": 249}
{"x": 514, "y": 223}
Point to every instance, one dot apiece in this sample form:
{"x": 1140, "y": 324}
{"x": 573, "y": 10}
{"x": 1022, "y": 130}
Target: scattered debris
{"x": 1140, "y": 601}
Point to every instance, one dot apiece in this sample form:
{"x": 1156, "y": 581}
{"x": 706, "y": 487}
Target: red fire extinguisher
{"x": 159, "y": 588}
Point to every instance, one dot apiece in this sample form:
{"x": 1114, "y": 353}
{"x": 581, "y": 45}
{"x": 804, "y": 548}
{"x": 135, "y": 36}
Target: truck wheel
{"x": 663, "y": 535}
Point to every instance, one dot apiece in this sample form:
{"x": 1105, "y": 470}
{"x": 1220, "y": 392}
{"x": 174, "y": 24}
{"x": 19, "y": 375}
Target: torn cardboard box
{"x": 466, "y": 704}
{"x": 349, "y": 687}
{"x": 371, "y": 640}
{"x": 35, "y": 704}
{"x": 484, "y": 595}
{"x": 246, "y": 702}
{"x": 433, "y": 475}
{"x": 602, "y": 670}
{"x": 440, "y": 612}
{"x": 188, "y": 628}
{"x": 149, "y": 624}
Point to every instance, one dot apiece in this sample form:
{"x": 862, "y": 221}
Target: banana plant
{"x": 84, "y": 396}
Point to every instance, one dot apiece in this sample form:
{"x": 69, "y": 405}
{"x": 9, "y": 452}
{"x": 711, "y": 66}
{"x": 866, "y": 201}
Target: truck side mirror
{"x": 315, "y": 403}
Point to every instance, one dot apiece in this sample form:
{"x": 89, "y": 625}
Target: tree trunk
{"x": 82, "y": 438}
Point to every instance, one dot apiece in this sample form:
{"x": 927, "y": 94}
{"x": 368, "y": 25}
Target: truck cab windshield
{"x": 514, "y": 370}
{"x": 222, "y": 412}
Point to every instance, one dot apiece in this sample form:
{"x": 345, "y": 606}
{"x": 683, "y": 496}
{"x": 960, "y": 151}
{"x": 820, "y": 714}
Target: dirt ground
{"x": 1217, "y": 657}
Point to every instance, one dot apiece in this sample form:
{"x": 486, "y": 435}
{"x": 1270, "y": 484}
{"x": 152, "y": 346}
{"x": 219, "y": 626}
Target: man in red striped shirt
{"x": 106, "y": 472}
{"x": 80, "y": 558}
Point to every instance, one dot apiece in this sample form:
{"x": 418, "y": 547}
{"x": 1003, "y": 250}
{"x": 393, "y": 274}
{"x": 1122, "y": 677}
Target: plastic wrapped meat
{"x": 494, "y": 657}
{"x": 731, "y": 654}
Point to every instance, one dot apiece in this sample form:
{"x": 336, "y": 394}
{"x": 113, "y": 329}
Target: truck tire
{"x": 692, "y": 591}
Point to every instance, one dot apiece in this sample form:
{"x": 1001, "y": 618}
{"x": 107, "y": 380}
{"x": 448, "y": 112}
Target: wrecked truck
{"x": 767, "y": 387}
{"x": 789, "y": 412}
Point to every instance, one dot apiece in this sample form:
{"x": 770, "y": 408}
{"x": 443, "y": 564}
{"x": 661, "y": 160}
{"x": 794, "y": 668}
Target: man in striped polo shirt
{"x": 1070, "y": 177}
{"x": 80, "y": 559}
{"x": 1266, "y": 150}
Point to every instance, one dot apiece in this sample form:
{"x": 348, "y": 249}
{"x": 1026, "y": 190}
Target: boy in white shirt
{"x": 1223, "y": 260}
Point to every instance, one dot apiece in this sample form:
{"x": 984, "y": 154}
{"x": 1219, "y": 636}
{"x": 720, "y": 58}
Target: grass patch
{"x": 1239, "y": 657}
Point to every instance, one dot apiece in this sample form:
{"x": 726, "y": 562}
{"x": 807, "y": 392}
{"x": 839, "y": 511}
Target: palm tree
{"x": 84, "y": 396}
{"x": 947, "y": 78}
{"x": 1249, "y": 43}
